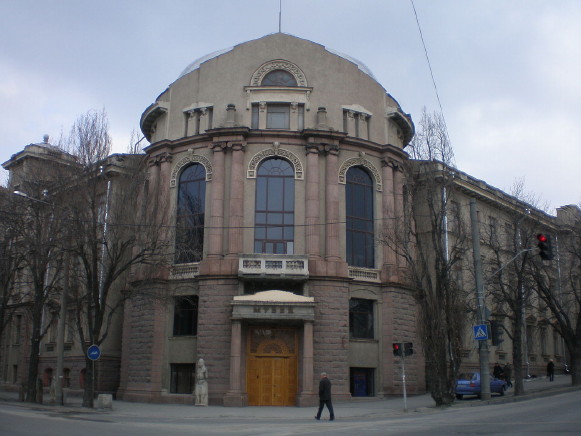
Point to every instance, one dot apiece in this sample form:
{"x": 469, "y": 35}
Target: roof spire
{"x": 279, "y": 15}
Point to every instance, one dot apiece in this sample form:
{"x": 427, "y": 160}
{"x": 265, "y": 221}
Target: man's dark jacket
{"x": 325, "y": 389}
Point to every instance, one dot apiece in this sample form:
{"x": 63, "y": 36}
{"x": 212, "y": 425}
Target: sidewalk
{"x": 356, "y": 408}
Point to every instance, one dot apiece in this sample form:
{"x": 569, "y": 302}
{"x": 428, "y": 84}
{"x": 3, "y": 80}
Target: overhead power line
{"x": 430, "y": 68}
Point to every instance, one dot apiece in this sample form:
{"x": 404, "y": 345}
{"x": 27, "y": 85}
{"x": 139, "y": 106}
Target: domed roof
{"x": 196, "y": 64}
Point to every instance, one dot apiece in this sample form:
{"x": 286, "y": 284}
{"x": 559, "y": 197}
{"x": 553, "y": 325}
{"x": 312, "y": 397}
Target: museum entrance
{"x": 271, "y": 376}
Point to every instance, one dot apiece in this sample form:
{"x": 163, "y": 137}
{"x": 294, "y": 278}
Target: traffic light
{"x": 545, "y": 246}
{"x": 408, "y": 349}
{"x": 397, "y": 349}
{"x": 496, "y": 332}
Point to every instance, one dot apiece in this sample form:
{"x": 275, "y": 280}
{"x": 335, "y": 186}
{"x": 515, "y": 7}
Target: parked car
{"x": 468, "y": 383}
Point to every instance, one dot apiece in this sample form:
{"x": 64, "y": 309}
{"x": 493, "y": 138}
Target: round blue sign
{"x": 94, "y": 352}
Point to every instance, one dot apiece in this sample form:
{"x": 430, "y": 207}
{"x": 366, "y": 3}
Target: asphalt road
{"x": 558, "y": 414}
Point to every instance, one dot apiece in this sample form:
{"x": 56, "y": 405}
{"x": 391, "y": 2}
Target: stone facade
{"x": 338, "y": 118}
{"x": 267, "y": 322}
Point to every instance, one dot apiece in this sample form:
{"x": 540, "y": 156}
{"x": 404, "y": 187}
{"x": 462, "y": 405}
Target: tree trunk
{"x": 32, "y": 371}
{"x": 576, "y": 364}
{"x": 33, "y": 360}
{"x": 517, "y": 354}
{"x": 90, "y": 377}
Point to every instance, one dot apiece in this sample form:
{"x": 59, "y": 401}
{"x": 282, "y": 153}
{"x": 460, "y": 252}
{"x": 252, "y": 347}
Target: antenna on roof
{"x": 279, "y": 14}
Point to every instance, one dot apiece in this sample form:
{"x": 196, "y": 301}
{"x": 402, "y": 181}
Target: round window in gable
{"x": 279, "y": 78}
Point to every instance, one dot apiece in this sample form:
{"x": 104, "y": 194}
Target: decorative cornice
{"x": 160, "y": 158}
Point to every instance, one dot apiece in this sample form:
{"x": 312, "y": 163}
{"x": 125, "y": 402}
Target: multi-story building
{"x": 274, "y": 166}
{"x": 279, "y": 159}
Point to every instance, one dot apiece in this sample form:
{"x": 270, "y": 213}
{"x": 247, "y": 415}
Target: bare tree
{"x": 108, "y": 237}
{"x": 135, "y": 145}
{"x": 38, "y": 237}
{"x": 558, "y": 285}
{"x": 508, "y": 271}
{"x": 509, "y": 288}
{"x": 11, "y": 260}
{"x": 433, "y": 254}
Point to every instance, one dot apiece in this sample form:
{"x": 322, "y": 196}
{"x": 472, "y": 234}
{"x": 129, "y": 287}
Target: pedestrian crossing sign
{"x": 480, "y": 332}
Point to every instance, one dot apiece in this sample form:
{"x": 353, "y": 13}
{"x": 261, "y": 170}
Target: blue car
{"x": 468, "y": 383}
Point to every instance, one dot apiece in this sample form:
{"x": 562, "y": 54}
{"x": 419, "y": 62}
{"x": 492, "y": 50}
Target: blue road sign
{"x": 480, "y": 332}
{"x": 94, "y": 352}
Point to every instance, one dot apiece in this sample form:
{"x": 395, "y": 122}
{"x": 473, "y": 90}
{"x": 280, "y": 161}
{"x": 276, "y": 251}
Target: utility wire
{"x": 430, "y": 68}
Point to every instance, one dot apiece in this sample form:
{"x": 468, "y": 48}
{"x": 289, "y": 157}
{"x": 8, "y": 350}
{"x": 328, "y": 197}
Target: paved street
{"x": 547, "y": 406}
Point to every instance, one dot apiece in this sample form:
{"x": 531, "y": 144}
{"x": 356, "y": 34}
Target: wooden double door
{"x": 271, "y": 370}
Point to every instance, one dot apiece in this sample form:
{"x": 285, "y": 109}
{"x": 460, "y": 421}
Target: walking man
{"x": 551, "y": 370}
{"x": 508, "y": 374}
{"x": 325, "y": 397}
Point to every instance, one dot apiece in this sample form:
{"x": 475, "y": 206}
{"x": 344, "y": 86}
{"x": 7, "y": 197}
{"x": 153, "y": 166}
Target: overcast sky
{"x": 508, "y": 73}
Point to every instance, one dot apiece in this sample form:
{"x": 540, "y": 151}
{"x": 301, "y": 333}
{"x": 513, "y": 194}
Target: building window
{"x": 301, "y": 116}
{"x": 361, "y": 319}
{"x": 66, "y": 378}
{"x": 356, "y": 124}
{"x": 359, "y": 216}
{"x": 361, "y": 382}
{"x": 185, "y": 318}
{"x": 47, "y": 379}
{"x": 275, "y": 205}
{"x": 279, "y": 78}
{"x": 492, "y": 230}
{"x": 198, "y": 120}
{"x": 255, "y": 112}
{"x": 543, "y": 338}
{"x": 453, "y": 216}
{"x": 190, "y": 215}
{"x": 70, "y": 327}
{"x": 277, "y": 116}
{"x": 182, "y": 378}
{"x": 17, "y": 329}
{"x": 530, "y": 341}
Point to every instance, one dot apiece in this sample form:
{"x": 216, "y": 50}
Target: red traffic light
{"x": 541, "y": 237}
{"x": 397, "y": 349}
{"x": 545, "y": 246}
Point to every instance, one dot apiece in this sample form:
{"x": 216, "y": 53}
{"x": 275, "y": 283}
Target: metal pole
{"x": 405, "y": 397}
{"x": 482, "y": 345}
{"x": 60, "y": 345}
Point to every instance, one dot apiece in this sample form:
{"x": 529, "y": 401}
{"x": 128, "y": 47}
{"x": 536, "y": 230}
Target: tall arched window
{"x": 190, "y": 214}
{"x": 275, "y": 206}
{"x": 359, "y": 214}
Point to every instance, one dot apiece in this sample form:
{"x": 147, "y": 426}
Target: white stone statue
{"x": 201, "y": 389}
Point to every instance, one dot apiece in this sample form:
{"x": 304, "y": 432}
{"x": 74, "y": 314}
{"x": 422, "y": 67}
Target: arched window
{"x": 275, "y": 206}
{"x": 279, "y": 78}
{"x": 82, "y": 376}
{"x": 190, "y": 214}
{"x": 359, "y": 214}
{"x": 47, "y": 379}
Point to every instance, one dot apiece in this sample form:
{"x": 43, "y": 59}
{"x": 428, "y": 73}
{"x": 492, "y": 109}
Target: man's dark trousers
{"x": 325, "y": 397}
{"x": 329, "y": 404}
